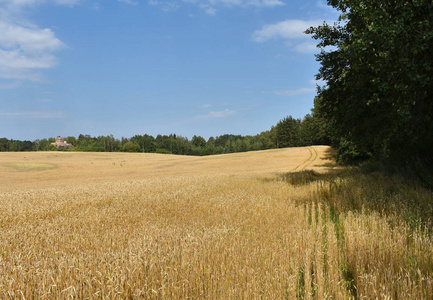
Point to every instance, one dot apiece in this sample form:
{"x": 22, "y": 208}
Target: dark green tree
{"x": 288, "y": 132}
{"x": 44, "y": 145}
{"x": 198, "y": 141}
{"x": 313, "y": 131}
{"x": 377, "y": 101}
{"x": 131, "y": 147}
{"x": 4, "y": 144}
{"x": 36, "y": 144}
{"x": 14, "y": 146}
{"x": 183, "y": 145}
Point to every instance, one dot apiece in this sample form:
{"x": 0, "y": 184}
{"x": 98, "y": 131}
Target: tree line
{"x": 288, "y": 132}
{"x": 377, "y": 63}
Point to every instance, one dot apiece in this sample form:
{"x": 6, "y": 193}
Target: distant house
{"x": 60, "y": 142}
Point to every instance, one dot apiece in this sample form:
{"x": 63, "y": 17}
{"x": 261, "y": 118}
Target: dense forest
{"x": 377, "y": 65}
{"x": 288, "y": 132}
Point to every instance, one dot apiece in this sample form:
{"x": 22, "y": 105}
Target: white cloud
{"x": 268, "y": 3}
{"x": 317, "y": 82}
{"x": 204, "y": 106}
{"x": 208, "y": 9}
{"x": 22, "y": 3}
{"x": 307, "y": 47}
{"x": 221, "y": 114}
{"x": 255, "y": 3}
{"x": 30, "y": 40}
{"x": 292, "y": 32}
{"x": 322, "y": 4}
{"x": 95, "y": 6}
{"x": 166, "y": 6}
{"x": 288, "y": 29}
{"x": 25, "y": 48}
{"x": 211, "y": 7}
{"x": 291, "y": 93}
{"x": 15, "y": 60}
{"x": 130, "y": 2}
{"x": 67, "y": 2}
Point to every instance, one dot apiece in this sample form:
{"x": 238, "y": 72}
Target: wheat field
{"x": 277, "y": 224}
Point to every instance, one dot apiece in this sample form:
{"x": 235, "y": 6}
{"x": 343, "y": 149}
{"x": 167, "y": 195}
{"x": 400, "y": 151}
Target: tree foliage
{"x": 377, "y": 101}
{"x": 288, "y": 132}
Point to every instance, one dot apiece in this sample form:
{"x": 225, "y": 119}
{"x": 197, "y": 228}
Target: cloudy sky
{"x": 126, "y": 67}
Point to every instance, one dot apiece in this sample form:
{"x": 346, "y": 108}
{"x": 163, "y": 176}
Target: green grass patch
{"x": 30, "y": 166}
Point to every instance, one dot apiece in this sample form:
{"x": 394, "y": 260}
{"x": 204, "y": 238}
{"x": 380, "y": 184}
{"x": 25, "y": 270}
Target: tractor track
{"x": 305, "y": 164}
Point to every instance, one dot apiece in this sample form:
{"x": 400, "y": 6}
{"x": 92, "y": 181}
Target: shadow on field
{"x": 369, "y": 189}
{"x": 329, "y": 154}
{"x": 392, "y": 206}
{"x": 307, "y": 176}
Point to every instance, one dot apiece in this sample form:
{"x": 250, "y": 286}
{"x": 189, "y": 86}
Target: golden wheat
{"x": 116, "y": 226}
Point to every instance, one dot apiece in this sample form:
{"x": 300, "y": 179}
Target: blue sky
{"x": 126, "y": 67}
